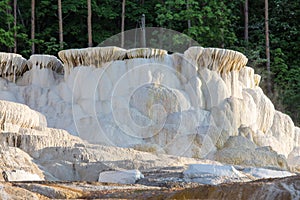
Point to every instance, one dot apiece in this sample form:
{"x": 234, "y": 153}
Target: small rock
{"x": 20, "y": 175}
{"x": 123, "y": 177}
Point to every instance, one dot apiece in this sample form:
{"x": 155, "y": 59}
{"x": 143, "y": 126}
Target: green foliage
{"x": 6, "y": 23}
{"x": 214, "y": 23}
{"x": 287, "y": 85}
{"x": 6, "y": 38}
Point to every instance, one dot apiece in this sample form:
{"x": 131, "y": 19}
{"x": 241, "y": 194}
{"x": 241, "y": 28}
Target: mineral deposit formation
{"x": 94, "y": 108}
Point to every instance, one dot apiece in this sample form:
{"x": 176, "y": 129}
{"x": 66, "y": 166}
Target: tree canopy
{"x": 212, "y": 23}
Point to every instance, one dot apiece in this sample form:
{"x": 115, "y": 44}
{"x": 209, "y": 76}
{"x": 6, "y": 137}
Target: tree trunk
{"x": 143, "y": 31}
{"x": 267, "y": 46}
{"x": 32, "y": 26}
{"x": 246, "y": 35}
{"x": 15, "y": 26}
{"x": 188, "y": 21}
{"x": 60, "y": 23}
{"x": 89, "y": 23}
{"x": 8, "y": 13}
{"x": 123, "y": 23}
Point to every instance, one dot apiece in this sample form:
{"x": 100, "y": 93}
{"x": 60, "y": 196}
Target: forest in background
{"x": 232, "y": 24}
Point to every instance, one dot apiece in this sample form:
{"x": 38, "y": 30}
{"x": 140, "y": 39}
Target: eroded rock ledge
{"x": 220, "y": 60}
{"x": 41, "y": 61}
{"x": 14, "y": 65}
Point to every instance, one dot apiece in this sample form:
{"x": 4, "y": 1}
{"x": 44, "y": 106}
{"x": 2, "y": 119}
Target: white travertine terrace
{"x": 95, "y": 56}
{"x": 146, "y": 53}
{"x": 41, "y": 61}
{"x": 20, "y": 114}
{"x": 205, "y": 103}
{"x": 12, "y": 65}
{"x": 220, "y": 60}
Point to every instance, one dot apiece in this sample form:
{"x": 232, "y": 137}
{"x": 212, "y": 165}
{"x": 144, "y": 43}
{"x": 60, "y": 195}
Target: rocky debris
{"x": 86, "y": 190}
{"x": 11, "y": 191}
{"x": 283, "y": 188}
{"x": 213, "y": 174}
{"x": 279, "y": 188}
{"x": 239, "y": 150}
{"x": 122, "y": 177}
{"x": 81, "y": 162}
{"x": 260, "y": 173}
{"x": 164, "y": 177}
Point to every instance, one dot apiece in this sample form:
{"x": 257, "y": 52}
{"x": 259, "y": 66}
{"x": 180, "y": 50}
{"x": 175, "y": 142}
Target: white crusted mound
{"x": 15, "y": 163}
{"x": 98, "y": 56}
{"x": 145, "y": 53}
{"x": 182, "y": 104}
{"x": 220, "y": 60}
{"x": 45, "y": 61}
{"x": 35, "y": 153}
{"x": 95, "y": 56}
{"x": 13, "y": 114}
{"x": 12, "y": 65}
{"x": 123, "y": 177}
